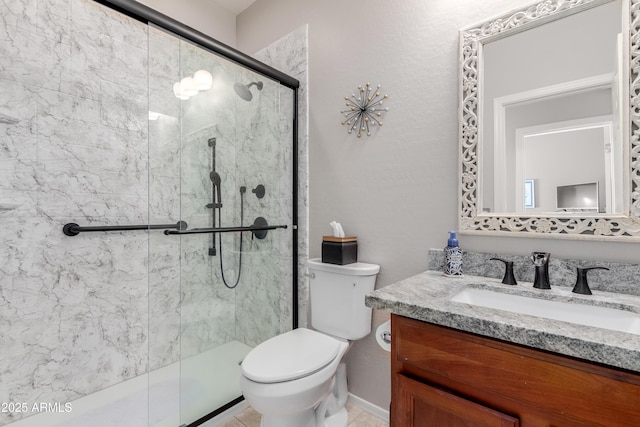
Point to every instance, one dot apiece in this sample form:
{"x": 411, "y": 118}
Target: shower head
{"x": 243, "y": 90}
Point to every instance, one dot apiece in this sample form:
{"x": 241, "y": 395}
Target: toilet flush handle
{"x": 310, "y": 275}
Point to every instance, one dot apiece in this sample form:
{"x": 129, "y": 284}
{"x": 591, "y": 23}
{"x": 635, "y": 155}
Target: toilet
{"x": 299, "y": 378}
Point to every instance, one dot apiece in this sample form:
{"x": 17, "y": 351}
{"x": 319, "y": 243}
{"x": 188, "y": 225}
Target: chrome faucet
{"x": 541, "y": 261}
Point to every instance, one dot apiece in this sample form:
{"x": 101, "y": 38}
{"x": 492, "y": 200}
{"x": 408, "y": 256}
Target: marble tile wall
{"x": 290, "y": 55}
{"x": 78, "y": 314}
{"x": 620, "y": 278}
{"x": 73, "y": 144}
{"x": 268, "y": 261}
{"x": 164, "y": 199}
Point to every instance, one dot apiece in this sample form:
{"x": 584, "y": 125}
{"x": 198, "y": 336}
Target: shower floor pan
{"x": 154, "y": 399}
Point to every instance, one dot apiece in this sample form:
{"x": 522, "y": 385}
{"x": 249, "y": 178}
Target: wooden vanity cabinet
{"x": 444, "y": 377}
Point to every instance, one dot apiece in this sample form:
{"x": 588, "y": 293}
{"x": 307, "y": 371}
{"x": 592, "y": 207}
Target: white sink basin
{"x": 588, "y": 315}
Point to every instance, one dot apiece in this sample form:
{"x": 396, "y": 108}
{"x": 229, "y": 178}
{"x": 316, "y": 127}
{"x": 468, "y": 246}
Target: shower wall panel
{"x": 264, "y": 158}
{"x": 290, "y": 55}
{"x": 73, "y": 144}
{"x": 164, "y": 198}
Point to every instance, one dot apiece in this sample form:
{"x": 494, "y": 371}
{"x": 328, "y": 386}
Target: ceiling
{"x": 234, "y": 6}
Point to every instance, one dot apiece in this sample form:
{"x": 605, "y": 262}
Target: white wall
{"x": 395, "y": 190}
{"x": 202, "y": 15}
{"x": 547, "y": 159}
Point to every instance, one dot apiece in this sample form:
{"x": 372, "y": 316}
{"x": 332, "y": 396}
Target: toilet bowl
{"x": 291, "y": 402}
{"x": 298, "y": 379}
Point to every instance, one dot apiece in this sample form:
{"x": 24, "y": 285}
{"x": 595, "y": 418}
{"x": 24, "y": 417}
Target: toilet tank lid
{"x": 354, "y": 269}
{"x": 294, "y": 354}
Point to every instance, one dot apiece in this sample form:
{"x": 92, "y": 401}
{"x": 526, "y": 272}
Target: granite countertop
{"x": 426, "y": 297}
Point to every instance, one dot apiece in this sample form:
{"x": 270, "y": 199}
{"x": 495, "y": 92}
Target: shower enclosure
{"x": 218, "y": 148}
{"x": 148, "y": 189}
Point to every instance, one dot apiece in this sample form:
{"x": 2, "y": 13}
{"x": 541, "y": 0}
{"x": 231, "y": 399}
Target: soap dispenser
{"x": 452, "y": 257}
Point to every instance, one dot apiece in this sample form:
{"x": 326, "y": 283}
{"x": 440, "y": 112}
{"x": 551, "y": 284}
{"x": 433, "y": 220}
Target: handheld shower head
{"x": 244, "y": 92}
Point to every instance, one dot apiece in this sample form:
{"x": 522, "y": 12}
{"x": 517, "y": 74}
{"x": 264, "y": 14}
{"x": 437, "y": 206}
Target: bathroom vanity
{"x": 462, "y": 363}
{"x": 471, "y": 351}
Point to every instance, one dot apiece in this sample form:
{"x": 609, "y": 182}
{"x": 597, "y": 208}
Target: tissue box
{"x": 339, "y": 250}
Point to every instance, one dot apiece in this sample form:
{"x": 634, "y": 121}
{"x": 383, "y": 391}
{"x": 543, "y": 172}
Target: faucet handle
{"x": 582, "y": 286}
{"x": 509, "y": 278}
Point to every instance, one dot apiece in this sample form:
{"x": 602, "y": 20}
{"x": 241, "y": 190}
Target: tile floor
{"x": 357, "y": 418}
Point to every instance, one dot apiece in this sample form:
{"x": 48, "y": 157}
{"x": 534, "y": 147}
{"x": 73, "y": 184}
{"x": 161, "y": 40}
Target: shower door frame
{"x": 147, "y": 15}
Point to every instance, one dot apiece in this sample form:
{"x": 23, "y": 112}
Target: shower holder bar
{"x": 252, "y": 228}
{"x": 72, "y": 229}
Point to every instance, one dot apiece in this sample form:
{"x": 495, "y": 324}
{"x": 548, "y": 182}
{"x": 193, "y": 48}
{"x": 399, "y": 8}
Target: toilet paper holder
{"x": 383, "y": 335}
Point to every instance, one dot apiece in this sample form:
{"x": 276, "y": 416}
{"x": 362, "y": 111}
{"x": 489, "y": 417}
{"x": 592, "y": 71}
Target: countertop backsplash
{"x": 621, "y": 278}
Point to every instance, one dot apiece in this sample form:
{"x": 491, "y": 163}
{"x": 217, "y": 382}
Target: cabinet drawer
{"x": 422, "y": 405}
{"x": 506, "y": 376}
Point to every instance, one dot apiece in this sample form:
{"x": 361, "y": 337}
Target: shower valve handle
{"x": 259, "y": 191}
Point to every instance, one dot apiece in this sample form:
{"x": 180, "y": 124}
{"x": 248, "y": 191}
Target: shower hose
{"x": 243, "y": 189}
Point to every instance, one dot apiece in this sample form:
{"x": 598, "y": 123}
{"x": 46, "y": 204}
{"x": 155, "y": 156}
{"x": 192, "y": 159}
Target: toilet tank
{"x": 337, "y": 297}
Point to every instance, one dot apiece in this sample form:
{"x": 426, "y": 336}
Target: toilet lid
{"x": 292, "y": 355}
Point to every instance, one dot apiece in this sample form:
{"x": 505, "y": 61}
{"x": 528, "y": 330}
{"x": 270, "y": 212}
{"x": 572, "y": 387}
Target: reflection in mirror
{"x": 568, "y": 154}
{"x": 563, "y": 70}
{"x": 544, "y": 113}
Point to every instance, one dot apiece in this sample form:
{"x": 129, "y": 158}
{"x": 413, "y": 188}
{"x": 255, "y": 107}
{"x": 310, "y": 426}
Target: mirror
{"x": 545, "y": 122}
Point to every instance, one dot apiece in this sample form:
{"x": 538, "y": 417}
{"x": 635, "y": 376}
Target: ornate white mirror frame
{"x": 594, "y": 226}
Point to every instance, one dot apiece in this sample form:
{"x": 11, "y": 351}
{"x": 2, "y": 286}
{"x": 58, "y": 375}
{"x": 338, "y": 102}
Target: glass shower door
{"x": 221, "y": 157}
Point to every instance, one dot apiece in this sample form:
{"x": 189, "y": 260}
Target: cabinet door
{"x": 423, "y": 405}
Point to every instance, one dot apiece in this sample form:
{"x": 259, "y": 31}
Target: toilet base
{"x": 339, "y": 419}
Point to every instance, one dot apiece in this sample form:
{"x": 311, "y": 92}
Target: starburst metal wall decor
{"x": 364, "y": 110}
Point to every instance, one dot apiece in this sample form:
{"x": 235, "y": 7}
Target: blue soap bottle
{"x": 452, "y": 257}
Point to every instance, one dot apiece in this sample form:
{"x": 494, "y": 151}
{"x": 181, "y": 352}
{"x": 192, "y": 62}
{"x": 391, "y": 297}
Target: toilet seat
{"x": 292, "y": 355}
